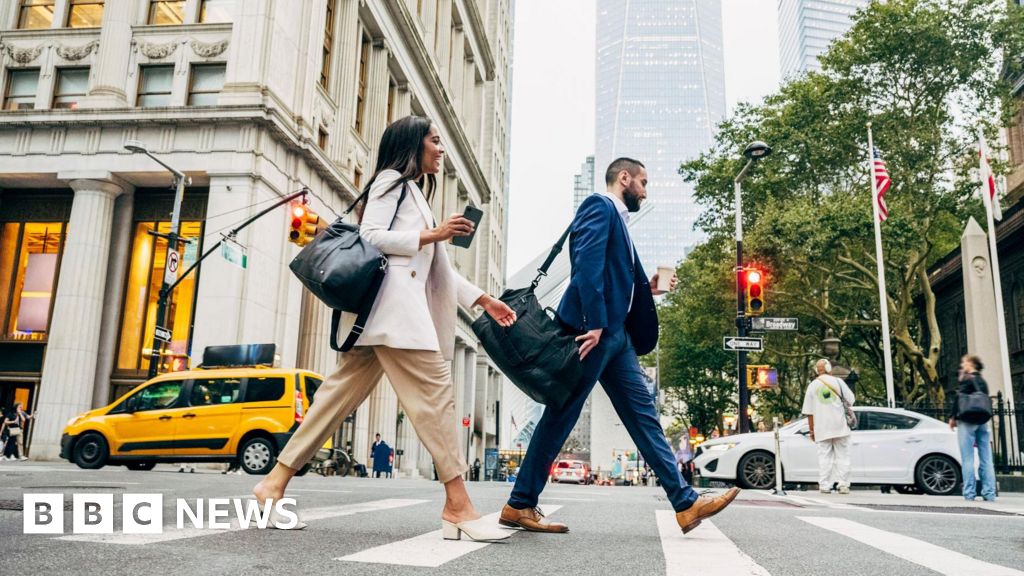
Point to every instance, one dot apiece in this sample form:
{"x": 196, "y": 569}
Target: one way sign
{"x": 736, "y": 344}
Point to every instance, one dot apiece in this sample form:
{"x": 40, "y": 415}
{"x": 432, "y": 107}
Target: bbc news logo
{"x": 144, "y": 513}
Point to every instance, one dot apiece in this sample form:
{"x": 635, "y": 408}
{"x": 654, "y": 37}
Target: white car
{"x": 570, "y": 471}
{"x": 900, "y": 448}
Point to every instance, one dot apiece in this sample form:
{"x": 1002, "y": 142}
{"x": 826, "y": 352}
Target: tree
{"x": 926, "y": 74}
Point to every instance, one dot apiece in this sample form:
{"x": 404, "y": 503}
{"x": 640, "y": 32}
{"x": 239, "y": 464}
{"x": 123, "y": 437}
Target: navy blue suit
{"x": 606, "y": 277}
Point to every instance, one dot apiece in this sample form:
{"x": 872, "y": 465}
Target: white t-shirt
{"x": 826, "y": 407}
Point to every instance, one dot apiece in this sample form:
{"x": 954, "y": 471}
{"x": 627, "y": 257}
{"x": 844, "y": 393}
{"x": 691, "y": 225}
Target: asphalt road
{"x": 366, "y": 526}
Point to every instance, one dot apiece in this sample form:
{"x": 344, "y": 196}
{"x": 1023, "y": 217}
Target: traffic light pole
{"x": 167, "y": 289}
{"x": 741, "y": 317}
{"x": 172, "y": 247}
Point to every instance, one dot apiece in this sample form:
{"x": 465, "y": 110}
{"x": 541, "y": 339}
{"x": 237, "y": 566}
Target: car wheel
{"x": 257, "y": 455}
{"x": 756, "y": 470}
{"x": 937, "y": 475}
{"x": 143, "y": 466}
{"x": 91, "y": 451}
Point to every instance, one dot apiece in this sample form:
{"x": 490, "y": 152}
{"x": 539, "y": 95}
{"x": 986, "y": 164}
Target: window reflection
{"x": 166, "y": 13}
{"x": 29, "y": 256}
{"x": 145, "y": 276}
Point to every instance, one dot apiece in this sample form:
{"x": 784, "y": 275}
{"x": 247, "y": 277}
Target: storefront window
{"x": 145, "y": 276}
{"x": 29, "y": 262}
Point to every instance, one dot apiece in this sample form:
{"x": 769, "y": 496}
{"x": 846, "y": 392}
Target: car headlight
{"x": 719, "y": 447}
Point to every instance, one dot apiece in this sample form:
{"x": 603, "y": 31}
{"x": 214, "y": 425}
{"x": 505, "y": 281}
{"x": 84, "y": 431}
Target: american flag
{"x": 882, "y": 183}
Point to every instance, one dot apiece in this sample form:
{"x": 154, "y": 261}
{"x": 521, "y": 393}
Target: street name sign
{"x": 775, "y": 324}
{"x": 234, "y": 254}
{"x": 736, "y": 344}
{"x": 162, "y": 333}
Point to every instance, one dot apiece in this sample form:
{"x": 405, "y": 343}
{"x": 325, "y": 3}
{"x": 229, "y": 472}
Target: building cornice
{"x": 277, "y": 124}
{"x": 422, "y": 60}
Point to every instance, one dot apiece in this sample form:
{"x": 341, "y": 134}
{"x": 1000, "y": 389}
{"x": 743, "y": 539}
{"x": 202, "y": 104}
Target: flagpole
{"x": 1004, "y": 349}
{"x": 883, "y": 300}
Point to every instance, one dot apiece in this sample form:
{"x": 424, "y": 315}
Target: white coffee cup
{"x": 665, "y": 274}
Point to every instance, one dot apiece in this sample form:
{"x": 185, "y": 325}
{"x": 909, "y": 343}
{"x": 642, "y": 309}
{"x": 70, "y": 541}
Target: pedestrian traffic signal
{"x": 303, "y": 224}
{"x": 762, "y": 376}
{"x": 754, "y": 289}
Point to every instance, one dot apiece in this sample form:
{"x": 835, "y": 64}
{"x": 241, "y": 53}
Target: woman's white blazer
{"x": 417, "y": 306}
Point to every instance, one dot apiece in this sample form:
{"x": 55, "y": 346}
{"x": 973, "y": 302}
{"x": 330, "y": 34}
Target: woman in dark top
{"x": 971, "y": 434}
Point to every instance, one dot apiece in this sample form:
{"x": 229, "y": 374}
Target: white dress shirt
{"x": 620, "y": 206}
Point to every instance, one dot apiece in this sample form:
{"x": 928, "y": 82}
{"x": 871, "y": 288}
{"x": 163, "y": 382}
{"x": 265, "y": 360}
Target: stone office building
{"x": 252, "y": 100}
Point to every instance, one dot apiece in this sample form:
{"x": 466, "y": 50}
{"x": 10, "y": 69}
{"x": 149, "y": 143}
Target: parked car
{"x": 243, "y": 415}
{"x": 894, "y": 447}
{"x": 574, "y": 471}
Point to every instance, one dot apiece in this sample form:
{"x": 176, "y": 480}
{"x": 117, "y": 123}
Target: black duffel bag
{"x": 974, "y": 408}
{"x": 344, "y": 271}
{"x": 537, "y": 353}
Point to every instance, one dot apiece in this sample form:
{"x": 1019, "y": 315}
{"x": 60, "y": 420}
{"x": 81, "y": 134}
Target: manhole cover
{"x": 938, "y": 509}
{"x": 77, "y": 488}
{"x": 16, "y": 505}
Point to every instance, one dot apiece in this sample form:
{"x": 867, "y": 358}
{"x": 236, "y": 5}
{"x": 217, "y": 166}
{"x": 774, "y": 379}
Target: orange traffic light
{"x": 303, "y": 224}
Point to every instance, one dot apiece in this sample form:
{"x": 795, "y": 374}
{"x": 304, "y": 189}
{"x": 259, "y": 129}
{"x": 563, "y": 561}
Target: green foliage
{"x": 927, "y": 75}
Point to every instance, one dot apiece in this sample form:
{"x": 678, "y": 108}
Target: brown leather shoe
{"x": 705, "y": 507}
{"x": 531, "y": 519}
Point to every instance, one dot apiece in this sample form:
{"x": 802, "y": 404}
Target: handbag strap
{"x": 364, "y": 313}
{"x": 543, "y": 270}
{"x": 842, "y": 399}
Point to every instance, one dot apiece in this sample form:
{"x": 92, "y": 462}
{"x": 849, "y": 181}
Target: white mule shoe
{"x": 275, "y": 519}
{"x": 479, "y": 530}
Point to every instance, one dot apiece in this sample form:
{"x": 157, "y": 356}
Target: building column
{"x": 69, "y": 369}
{"x": 376, "y": 97}
{"x": 456, "y": 71}
{"x": 314, "y": 353}
{"x": 251, "y": 33}
{"x": 403, "y": 101}
{"x": 442, "y": 42}
{"x": 120, "y": 250}
{"x": 110, "y": 69}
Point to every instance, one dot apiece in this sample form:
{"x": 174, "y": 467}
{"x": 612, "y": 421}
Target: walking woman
{"x": 410, "y": 333}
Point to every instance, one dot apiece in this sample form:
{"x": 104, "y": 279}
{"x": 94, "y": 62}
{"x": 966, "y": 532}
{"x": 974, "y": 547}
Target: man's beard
{"x": 631, "y": 201}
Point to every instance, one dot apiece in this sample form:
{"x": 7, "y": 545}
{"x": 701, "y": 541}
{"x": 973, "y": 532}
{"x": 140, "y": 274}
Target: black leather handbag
{"x": 537, "y": 353}
{"x": 344, "y": 271}
{"x": 974, "y": 408}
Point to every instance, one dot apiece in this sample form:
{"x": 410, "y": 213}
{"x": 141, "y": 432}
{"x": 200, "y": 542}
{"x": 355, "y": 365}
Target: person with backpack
{"x": 827, "y": 405}
{"x": 972, "y": 411}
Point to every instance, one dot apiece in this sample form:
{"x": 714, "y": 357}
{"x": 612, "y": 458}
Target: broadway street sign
{"x": 774, "y": 324}
{"x": 736, "y": 344}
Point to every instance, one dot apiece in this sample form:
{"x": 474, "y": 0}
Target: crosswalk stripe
{"x": 171, "y": 533}
{"x": 819, "y": 502}
{"x": 937, "y": 558}
{"x": 705, "y": 551}
{"x": 428, "y": 550}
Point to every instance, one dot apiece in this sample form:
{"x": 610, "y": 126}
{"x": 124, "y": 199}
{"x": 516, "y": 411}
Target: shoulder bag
{"x": 344, "y": 271}
{"x": 537, "y": 353}
{"x": 974, "y": 408}
{"x": 851, "y": 416}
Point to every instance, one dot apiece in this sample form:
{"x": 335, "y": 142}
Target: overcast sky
{"x": 553, "y": 104}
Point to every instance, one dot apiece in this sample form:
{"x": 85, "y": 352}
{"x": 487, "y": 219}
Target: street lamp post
{"x": 753, "y": 152}
{"x": 172, "y": 252}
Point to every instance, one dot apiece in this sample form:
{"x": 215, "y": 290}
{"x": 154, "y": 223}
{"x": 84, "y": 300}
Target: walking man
{"x": 826, "y": 414}
{"x": 609, "y": 303}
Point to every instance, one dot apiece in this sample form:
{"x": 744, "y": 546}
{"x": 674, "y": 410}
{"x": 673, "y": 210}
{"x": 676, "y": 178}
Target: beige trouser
{"x": 422, "y": 381}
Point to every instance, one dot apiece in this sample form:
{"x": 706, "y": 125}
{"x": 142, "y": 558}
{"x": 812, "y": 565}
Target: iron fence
{"x": 1007, "y": 427}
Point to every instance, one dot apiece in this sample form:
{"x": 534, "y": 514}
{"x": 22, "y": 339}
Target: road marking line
{"x": 559, "y": 498}
{"x": 98, "y": 482}
{"x": 826, "y": 504}
{"x": 705, "y": 551}
{"x": 937, "y": 558}
{"x": 171, "y": 533}
{"x": 428, "y": 550}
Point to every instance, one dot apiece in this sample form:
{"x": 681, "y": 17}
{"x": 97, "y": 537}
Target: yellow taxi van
{"x": 215, "y": 413}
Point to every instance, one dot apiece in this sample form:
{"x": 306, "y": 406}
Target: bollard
{"x": 778, "y": 463}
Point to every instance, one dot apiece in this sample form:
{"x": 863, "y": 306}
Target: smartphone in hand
{"x": 474, "y": 215}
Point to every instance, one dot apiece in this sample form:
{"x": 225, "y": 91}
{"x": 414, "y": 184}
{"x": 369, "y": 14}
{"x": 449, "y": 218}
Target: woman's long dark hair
{"x": 401, "y": 149}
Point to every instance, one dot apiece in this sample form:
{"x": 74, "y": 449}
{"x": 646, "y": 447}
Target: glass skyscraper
{"x": 583, "y": 183}
{"x": 807, "y": 27}
{"x": 660, "y": 84}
